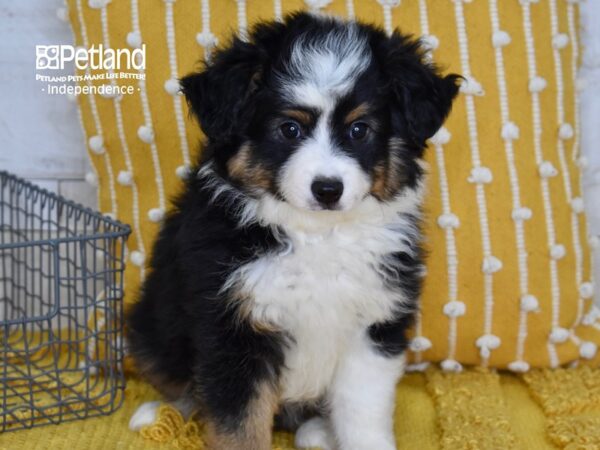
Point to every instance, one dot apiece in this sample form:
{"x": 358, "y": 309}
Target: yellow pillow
{"x": 509, "y": 277}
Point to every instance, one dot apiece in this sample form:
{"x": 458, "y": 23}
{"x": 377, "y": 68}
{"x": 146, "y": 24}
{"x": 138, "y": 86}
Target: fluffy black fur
{"x": 184, "y": 336}
{"x": 185, "y": 332}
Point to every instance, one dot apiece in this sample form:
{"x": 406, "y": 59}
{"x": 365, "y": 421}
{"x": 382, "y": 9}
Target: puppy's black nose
{"x": 327, "y": 191}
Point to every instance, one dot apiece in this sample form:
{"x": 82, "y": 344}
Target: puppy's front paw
{"x": 145, "y": 415}
{"x": 315, "y": 433}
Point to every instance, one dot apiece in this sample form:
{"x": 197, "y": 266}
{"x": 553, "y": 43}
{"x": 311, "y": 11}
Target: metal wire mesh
{"x": 61, "y": 289}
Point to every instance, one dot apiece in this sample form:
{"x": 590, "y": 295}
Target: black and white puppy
{"x": 284, "y": 280}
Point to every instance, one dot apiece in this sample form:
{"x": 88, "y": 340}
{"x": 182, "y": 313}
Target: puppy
{"x": 284, "y": 280}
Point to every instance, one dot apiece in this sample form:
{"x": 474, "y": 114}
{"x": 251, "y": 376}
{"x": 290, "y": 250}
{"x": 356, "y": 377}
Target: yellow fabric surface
{"x": 482, "y": 230}
{"x": 572, "y": 402}
{"x": 475, "y": 410}
{"x": 484, "y": 423}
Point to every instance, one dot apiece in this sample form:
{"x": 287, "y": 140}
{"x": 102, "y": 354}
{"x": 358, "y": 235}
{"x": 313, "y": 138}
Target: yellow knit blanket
{"x": 476, "y": 409}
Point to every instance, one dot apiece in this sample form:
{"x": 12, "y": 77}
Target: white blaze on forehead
{"x": 327, "y": 65}
{"x": 321, "y": 69}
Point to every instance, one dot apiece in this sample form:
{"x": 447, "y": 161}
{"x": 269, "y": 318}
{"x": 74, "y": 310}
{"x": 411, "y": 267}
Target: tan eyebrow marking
{"x": 357, "y": 113}
{"x": 301, "y": 116}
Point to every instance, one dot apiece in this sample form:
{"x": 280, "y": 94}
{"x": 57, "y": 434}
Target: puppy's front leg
{"x": 236, "y": 382}
{"x": 363, "y": 396}
{"x": 253, "y": 429}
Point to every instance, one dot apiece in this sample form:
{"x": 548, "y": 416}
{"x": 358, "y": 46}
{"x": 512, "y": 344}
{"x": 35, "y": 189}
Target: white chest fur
{"x": 328, "y": 285}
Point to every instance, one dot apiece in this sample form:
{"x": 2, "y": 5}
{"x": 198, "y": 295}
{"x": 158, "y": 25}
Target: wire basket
{"x": 61, "y": 290}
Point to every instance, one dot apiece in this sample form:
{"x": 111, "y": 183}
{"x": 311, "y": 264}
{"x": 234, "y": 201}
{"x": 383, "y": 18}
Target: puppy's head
{"x": 320, "y": 113}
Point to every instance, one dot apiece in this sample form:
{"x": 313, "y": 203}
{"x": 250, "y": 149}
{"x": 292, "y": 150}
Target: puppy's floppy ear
{"x": 422, "y": 97}
{"x": 217, "y": 96}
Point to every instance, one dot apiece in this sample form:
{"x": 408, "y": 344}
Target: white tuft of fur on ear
{"x": 145, "y": 415}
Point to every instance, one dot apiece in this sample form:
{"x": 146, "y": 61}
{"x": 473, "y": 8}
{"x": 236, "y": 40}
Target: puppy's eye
{"x": 358, "y": 130}
{"x": 291, "y": 130}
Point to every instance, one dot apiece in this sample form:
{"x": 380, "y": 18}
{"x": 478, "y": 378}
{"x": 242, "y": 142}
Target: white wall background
{"x": 590, "y": 118}
{"x": 41, "y": 137}
{"x": 590, "y": 105}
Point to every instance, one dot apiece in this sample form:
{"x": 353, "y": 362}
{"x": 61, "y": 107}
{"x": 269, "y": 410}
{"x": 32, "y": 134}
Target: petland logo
{"x": 97, "y": 70}
{"x": 54, "y": 57}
